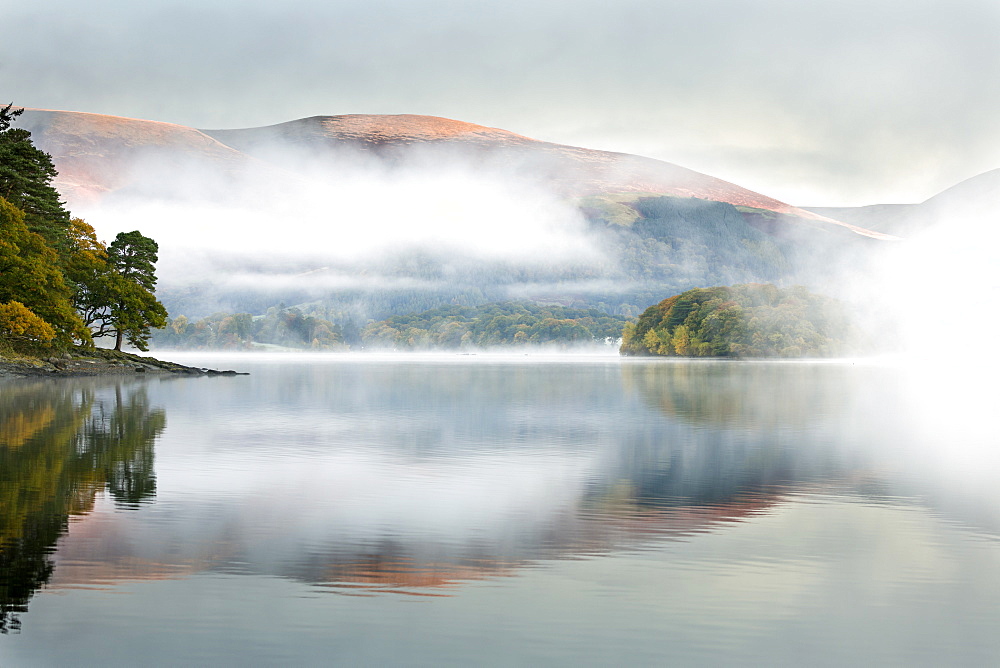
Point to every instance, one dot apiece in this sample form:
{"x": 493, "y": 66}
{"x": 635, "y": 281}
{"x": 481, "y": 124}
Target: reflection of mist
{"x": 411, "y": 472}
{"x": 393, "y": 471}
{"x": 880, "y": 429}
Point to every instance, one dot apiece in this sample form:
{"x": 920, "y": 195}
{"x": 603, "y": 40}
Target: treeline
{"x": 488, "y": 325}
{"x": 284, "y": 327}
{"x": 447, "y": 327}
{"x": 755, "y": 320}
{"x": 59, "y": 285}
{"x": 442, "y": 279}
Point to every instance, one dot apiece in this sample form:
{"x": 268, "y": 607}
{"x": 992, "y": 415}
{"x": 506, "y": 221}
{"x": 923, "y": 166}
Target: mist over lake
{"x": 497, "y": 509}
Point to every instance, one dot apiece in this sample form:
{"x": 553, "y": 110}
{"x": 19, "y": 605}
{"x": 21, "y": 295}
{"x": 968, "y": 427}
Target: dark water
{"x": 481, "y": 510}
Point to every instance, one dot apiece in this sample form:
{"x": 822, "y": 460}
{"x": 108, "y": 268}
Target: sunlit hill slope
{"x": 99, "y": 155}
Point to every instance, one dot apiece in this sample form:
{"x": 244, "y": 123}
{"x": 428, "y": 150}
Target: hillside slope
{"x": 98, "y": 156}
{"x": 569, "y": 170}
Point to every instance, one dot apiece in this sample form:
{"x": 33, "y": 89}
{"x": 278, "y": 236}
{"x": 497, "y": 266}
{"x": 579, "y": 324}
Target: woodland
{"x": 59, "y": 285}
{"x": 753, "y": 320}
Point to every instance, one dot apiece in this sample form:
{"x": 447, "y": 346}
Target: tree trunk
{"x": 119, "y": 334}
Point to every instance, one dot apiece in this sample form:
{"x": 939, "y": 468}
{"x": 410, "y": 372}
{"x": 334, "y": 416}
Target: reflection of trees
{"x": 746, "y": 394}
{"x": 60, "y": 445}
{"x": 735, "y": 430}
{"x": 722, "y": 442}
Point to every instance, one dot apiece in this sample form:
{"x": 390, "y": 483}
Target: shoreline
{"x": 97, "y": 362}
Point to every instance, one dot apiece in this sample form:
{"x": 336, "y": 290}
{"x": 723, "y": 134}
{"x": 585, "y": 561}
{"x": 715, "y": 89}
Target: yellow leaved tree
{"x": 17, "y": 321}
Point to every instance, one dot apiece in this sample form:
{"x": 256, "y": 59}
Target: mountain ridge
{"x": 100, "y": 155}
{"x": 975, "y": 196}
{"x": 597, "y": 172}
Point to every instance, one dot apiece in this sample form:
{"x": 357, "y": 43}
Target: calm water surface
{"x": 499, "y": 510}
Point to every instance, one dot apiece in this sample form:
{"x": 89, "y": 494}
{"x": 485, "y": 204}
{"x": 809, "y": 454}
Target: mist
{"x": 933, "y": 297}
{"x": 946, "y": 285}
{"x": 359, "y": 215}
{"x": 286, "y": 215}
{"x": 306, "y": 224}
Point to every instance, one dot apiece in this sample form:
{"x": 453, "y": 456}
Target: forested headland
{"x": 59, "y": 285}
{"x": 753, "y": 320}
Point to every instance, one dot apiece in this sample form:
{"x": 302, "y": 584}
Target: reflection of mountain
{"x": 611, "y": 520}
{"x": 60, "y": 445}
{"x": 419, "y": 476}
{"x": 756, "y": 426}
{"x": 440, "y": 475}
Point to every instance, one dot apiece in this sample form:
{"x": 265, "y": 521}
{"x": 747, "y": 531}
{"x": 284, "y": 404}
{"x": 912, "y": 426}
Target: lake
{"x": 363, "y": 509}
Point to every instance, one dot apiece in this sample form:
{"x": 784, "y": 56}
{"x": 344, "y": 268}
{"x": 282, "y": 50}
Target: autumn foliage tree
{"x": 754, "y": 320}
{"x": 18, "y": 322}
{"x": 85, "y": 269}
{"x": 30, "y": 274}
{"x": 55, "y": 276}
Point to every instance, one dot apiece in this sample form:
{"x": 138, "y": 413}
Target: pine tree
{"x": 26, "y": 175}
{"x": 134, "y": 308}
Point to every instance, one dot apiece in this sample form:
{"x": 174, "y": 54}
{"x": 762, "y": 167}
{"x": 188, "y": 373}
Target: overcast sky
{"x": 816, "y": 102}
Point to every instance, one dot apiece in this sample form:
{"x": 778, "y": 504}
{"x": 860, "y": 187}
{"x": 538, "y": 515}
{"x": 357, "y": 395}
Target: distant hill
{"x": 98, "y": 155}
{"x": 978, "y": 195}
{"x": 570, "y": 170}
{"x": 660, "y": 228}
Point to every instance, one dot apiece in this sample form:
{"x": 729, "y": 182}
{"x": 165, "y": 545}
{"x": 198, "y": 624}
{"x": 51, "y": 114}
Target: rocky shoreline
{"x": 97, "y": 362}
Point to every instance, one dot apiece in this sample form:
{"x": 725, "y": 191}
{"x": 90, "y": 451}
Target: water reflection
{"x": 876, "y": 431}
{"x": 405, "y": 475}
{"x": 61, "y": 444}
{"x": 738, "y": 430}
{"x": 412, "y": 477}
{"x": 754, "y": 395}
